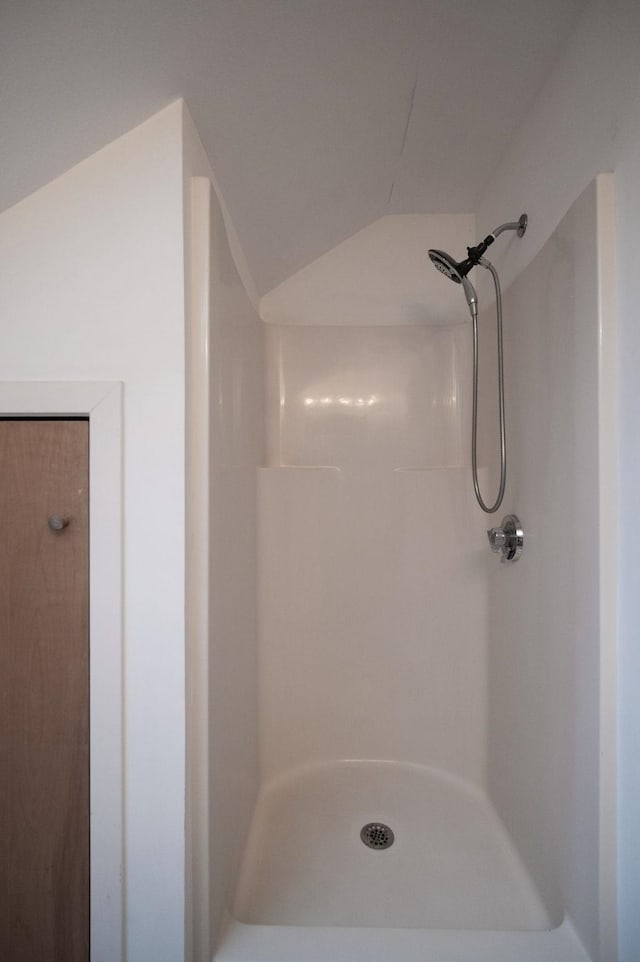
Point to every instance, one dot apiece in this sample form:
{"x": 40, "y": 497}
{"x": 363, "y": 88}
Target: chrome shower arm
{"x": 519, "y": 226}
{"x": 474, "y": 254}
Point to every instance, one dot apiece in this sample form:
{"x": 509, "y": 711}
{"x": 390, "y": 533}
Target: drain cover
{"x": 377, "y": 835}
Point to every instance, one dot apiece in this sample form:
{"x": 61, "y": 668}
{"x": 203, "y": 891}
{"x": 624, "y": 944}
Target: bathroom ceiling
{"x": 319, "y": 116}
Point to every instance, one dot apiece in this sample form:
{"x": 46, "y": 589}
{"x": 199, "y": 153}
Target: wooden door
{"x": 44, "y": 692}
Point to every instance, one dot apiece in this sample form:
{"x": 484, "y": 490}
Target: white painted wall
{"x": 91, "y": 288}
{"x": 545, "y": 747}
{"x": 319, "y": 116}
{"x": 587, "y": 119}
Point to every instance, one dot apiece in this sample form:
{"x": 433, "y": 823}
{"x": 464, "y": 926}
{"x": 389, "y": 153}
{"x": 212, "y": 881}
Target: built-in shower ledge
{"x": 299, "y": 467}
{"x": 277, "y": 943}
{"x": 364, "y": 468}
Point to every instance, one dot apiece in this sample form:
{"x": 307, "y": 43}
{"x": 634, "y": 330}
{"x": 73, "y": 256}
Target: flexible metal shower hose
{"x": 474, "y": 429}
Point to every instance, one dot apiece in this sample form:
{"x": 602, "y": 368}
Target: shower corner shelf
{"x": 361, "y": 468}
{"x": 310, "y": 468}
{"x": 427, "y": 469}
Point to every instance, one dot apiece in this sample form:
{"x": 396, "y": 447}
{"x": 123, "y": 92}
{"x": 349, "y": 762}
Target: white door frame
{"x": 101, "y": 402}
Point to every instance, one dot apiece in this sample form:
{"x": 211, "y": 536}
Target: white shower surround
{"x": 287, "y": 495}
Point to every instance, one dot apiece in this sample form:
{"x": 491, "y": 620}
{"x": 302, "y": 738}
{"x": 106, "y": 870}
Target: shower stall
{"x": 401, "y": 749}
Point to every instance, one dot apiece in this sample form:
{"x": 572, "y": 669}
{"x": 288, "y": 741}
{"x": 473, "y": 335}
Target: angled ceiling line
{"x": 404, "y": 136}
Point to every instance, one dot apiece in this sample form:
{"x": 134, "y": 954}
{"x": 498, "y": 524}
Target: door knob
{"x": 57, "y": 523}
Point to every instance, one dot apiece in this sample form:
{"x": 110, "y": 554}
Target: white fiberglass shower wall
{"x": 395, "y": 672}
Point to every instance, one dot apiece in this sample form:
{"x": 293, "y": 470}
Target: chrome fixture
{"x": 508, "y": 539}
{"x": 377, "y": 835}
{"x": 457, "y": 271}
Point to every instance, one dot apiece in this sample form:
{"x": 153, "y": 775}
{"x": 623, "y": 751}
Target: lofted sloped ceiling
{"x": 319, "y": 116}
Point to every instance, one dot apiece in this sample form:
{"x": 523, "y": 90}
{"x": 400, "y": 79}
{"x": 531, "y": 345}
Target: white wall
{"x": 91, "y": 288}
{"x": 579, "y": 125}
{"x": 587, "y": 119}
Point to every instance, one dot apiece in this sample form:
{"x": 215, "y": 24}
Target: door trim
{"x": 101, "y": 402}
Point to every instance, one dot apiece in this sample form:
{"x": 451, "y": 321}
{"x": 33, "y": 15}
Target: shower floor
{"x": 451, "y": 865}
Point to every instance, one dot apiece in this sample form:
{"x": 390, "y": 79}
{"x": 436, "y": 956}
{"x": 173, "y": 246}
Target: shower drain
{"x": 377, "y": 835}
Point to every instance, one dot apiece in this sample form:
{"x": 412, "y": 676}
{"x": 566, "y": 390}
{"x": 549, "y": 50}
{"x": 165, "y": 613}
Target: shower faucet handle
{"x": 497, "y": 538}
{"x": 508, "y": 539}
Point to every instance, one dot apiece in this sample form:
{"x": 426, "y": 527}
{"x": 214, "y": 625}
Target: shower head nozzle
{"x": 444, "y": 263}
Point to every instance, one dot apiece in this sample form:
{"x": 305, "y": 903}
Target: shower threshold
{"x": 450, "y": 886}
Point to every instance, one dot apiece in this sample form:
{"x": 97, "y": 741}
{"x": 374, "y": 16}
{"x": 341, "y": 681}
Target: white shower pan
{"x": 451, "y": 865}
{"x": 451, "y": 886}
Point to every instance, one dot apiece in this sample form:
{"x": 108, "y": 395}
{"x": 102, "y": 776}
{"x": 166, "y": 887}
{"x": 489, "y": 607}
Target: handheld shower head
{"x": 445, "y": 263}
{"x": 471, "y": 296}
{"x": 457, "y": 271}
